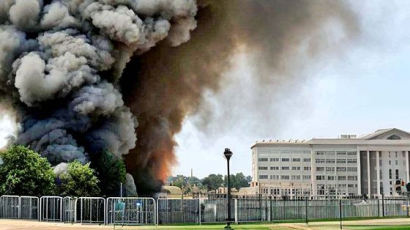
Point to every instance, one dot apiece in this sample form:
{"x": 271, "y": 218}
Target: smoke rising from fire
{"x": 86, "y": 76}
{"x": 165, "y": 85}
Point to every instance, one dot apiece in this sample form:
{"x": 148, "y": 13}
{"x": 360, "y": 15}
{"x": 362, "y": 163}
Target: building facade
{"x": 322, "y": 168}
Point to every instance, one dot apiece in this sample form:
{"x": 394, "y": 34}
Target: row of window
{"x": 277, "y": 159}
{"x": 332, "y": 161}
{"x": 332, "y": 153}
{"x": 294, "y": 168}
{"x": 308, "y": 177}
{"x": 340, "y": 178}
{"x": 338, "y": 169}
{"x": 285, "y": 177}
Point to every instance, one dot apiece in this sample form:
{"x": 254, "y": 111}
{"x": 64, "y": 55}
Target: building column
{"x": 359, "y": 184}
{"x": 407, "y": 166}
{"x": 368, "y": 173}
{"x": 378, "y": 173}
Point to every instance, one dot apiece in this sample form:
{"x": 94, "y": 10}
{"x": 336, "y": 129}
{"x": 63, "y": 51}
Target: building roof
{"x": 392, "y": 136}
{"x": 171, "y": 190}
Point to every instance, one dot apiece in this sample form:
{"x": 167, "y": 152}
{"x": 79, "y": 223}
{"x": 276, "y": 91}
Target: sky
{"x": 357, "y": 92}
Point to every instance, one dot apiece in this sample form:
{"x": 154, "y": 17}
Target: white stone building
{"x": 338, "y": 167}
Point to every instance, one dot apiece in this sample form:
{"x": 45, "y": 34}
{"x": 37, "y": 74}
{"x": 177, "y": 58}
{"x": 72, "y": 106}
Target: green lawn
{"x": 355, "y": 227}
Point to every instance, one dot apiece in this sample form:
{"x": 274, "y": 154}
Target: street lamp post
{"x": 228, "y": 155}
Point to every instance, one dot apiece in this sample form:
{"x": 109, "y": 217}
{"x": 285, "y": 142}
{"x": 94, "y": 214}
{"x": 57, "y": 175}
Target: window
{"x": 274, "y": 177}
{"x": 284, "y": 177}
{"x": 274, "y": 168}
{"x": 330, "y": 161}
{"x": 397, "y": 174}
{"x": 263, "y": 168}
{"x": 341, "y": 169}
{"x": 320, "y": 169}
{"x": 350, "y": 185}
{"x": 263, "y": 176}
{"x": 274, "y": 159}
{"x": 263, "y": 159}
{"x": 285, "y": 168}
{"x": 295, "y": 168}
{"x": 306, "y": 160}
{"x": 296, "y": 177}
{"x": 341, "y": 178}
{"x": 320, "y": 153}
{"x": 352, "y": 178}
{"x": 351, "y": 169}
{"x": 351, "y": 153}
{"x": 306, "y": 168}
{"x": 296, "y": 159}
{"x": 351, "y": 160}
{"x": 397, "y": 162}
{"x": 341, "y": 153}
{"x": 320, "y": 177}
{"x": 330, "y": 169}
{"x": 331, "y": 178}
{"x": 341, "y": 161}
{"x": 394, "y": 137}
{"x": 306, "y": 177}
{"x": 318, "y": 161}
{"x": 390, "y": 174}
{"x": 285, "y": 159}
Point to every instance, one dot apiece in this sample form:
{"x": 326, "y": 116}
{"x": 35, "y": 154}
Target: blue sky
{"x": 363, "y": 90}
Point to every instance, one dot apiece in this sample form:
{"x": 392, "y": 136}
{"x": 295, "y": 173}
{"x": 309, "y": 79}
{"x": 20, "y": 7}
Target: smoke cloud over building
{"x": 85, "y": 76}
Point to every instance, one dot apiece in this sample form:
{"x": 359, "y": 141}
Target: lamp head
{"x": 228, "y": 153}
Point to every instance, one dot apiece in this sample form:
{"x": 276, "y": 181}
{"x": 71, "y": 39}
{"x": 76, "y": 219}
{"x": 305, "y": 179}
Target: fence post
{"x": 270, "y": 208}
{"x": 236, "y": 210}
{"x": 306, "y": 210}
{"x": 19, "y": 207}
{"x": 378, "y": 207}
{"x": 200, "y": 209}
{"x": 383, "y": 205}
{"x": 407, "y": 207}
{"x": 340, "y": 214}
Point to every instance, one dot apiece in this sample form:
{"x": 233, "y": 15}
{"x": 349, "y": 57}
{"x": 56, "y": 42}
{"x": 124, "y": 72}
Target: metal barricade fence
{"x": 51, "y": 208}
{"x": 216, "y": 210}
{"x": 252, "y": 209}
{"x": 90, "y": 210}
{"x": 30, "y": 209}
{"x": 395, "y": 207}
{"x": 176, "y": 210}
{"x": 131, "y": 210}
{"x": 69, "y": 209}
{"x": 147, "y": 211}
{"x": 10, "y": 207}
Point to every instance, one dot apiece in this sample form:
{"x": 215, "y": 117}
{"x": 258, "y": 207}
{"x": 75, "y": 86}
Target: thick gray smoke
{"x": 60, "y": 62}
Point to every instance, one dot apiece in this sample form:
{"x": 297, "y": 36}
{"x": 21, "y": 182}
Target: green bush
{"x": 25, "y": 172}
{"x": 79, "y": 180}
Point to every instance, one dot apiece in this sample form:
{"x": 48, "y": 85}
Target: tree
{"x": 237, "y": 181}
{"x": 213, "y": 181}
{"x": 111, "y": 171}
{"x": 25, "y": 172}
{"x": 180, "y": 181}
{"x": 79, "y": 180}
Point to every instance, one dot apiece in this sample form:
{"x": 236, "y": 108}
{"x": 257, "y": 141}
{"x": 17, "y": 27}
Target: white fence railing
{"x": 150, "y": 211}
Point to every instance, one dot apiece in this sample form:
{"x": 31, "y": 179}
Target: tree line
{"x": 211, "y": 183}
{"x": 24, "y": 172}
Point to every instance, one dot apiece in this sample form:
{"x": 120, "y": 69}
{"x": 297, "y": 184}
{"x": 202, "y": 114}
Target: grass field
{"x": 373, "y": 224}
